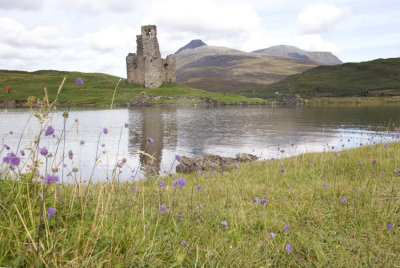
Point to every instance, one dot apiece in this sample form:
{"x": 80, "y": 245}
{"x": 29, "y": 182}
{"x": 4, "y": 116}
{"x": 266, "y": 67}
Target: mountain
{"x": 324, "y": 58}
{"x": 192, "y": 44}
{"x": 375, "y": 78}
{"x": 228, "y": 70}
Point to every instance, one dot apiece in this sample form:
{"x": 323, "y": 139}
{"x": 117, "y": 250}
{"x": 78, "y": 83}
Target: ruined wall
{"x": 146, "y": 67}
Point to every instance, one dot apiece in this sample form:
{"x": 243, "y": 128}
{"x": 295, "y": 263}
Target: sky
{"x": 96, "y": 35}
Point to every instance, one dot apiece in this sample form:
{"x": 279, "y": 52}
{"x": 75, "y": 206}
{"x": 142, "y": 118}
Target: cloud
{"x": 21, "y": 4}
{"x": 111, "y": 38}
{"x": 101, "y": 6}
{"x": 15, "y": 34}
{"x": 320, "y": 18}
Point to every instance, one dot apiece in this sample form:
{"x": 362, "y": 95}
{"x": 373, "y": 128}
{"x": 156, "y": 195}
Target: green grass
{"x": 112, "y": 226}
{"x": 97, "y": 89}
{"x": 377, "y": 78}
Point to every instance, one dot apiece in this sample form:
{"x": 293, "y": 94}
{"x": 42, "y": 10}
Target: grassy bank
{"x": 377, "y": 78}
{"x": 97, "y": 89}
{"x": 320, "y": 209}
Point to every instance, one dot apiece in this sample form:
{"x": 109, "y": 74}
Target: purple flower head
{"x": 229, "y": 163}
{"x": 70, "y": 154}
{"x": 288, "y": 248}
{"x": 163, "y": 208}
{"x": 342, "y": 198}
{"x": 161, "y": 184}
{"x": 255, "y": 200}
{"x": 43, "y": 151}
{"x": 198, "y": 187}
{"x": 22, "y": 152}
{"x": 49, "y": 131}
{"x": 103, "y": 145}
{"x": 79, "y": 82}
{"x": 126, "y": 125}
{"x": 198, "y": 168}
{"x": 283, "y": 170}
{"x": 325, "y": 184}
{"x": 184, "y": 243}
{"x": 356, "y": 190}
{"x": 150, "y": 140}
{"x": 51, "y": 212}
{"x": 134, "y": 189}
{"x": 385, "y": 146}
{"x": 175, "y": 183}
{"x": 271, "y": 234}
{"x": 288, "y": 187}
{"x": 237, "y": 166}
{"x": 360, "y": 164}
{"x": 263, "y": 201}
{"x": 178, "y": 157}
{"x": 181, "y": 182}
{"x": 287, "y": 227}
{"x": 212, "y": 171}
{"x": 12, "y": 159}
{"x": 6, "y": 146}
{"x": 105, "y": 130}
{"x": 224, "y": 223}
{"x": 374, "y": 162}
{"x": 390, "y": 226}
{"x": 49, "y": 179}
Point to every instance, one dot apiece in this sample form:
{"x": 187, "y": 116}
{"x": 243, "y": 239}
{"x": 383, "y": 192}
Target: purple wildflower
{"x": 161, "y": 184}
{"x": 105, "y": 130}
{"x": 150, "y": 140}
{"x": 134, "y": 189}
{"x": 325, "y": 184}
{"x": 70, "y": 154}
{"x": 49, "y": 131}
{"x": 198, "y": 168}
{"x": 342, "y": 198}
{"x": 198, "y": 187}
{"x": 356, "y": 190}
{"x": 212, "y": 171}
{"x": 181, "y": 182}
{"x": 271, "y": 234}
{"x": 390, "y": 226}
{"x": 184, "y": 243}
{"x": 263, "y": 201}
{"x": 237, "y": 166}
{"x": 287, "y": 227}
{"x": 385, "y": 146}
{"x": 51, "y": 212}
{"x": 43, "y": 151}
{"x": 175, "y": 183}
{"x": 288, "y": 187}
{"x": 283, "y": 170}
{"x": 163, "y": 208}
{"x": 22, "y": 152}
{"x": 255, "y": 200}
{"x": 126, "y": 125}
{"x": 49, "y": 179}
{"x": 11, "y": 159}
{"x": 224, "y": 223}
{"x": 229, "y": 163}
{"x": 374, "y": 162}
{"x": 79, "y": 82}
{"x": 178, "y": 157}
{"x": 288, "y": 248}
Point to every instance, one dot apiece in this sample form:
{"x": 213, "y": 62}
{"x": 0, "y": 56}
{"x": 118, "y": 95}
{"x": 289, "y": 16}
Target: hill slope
{"x": 228, "y": 70}
{"x": 379, "y": 77}
{"x": 324, "y": 58}
{"x": 97, "y": 88}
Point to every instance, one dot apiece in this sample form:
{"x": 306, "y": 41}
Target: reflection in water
{"x": 268, "y": 132}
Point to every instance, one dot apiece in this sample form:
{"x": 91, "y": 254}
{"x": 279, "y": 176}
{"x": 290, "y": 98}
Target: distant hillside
{"x": 191, "y": 45}
{"x": 379, "y": 77}
{"x": 229, "y": 70}
{"x": 324, "y": 58}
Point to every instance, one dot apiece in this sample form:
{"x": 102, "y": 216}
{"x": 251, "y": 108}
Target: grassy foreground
{"x": 320, "y": 209}
{"x": 97, "y": 89}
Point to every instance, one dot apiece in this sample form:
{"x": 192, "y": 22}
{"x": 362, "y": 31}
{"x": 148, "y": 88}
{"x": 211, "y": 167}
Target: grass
{"x": 97, "y": 89}
{"x": 377, "y": 78}
{"x": 343, "y": 223}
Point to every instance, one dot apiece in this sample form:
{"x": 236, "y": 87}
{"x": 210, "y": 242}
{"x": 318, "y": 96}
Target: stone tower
{"x": 146, "y": 67}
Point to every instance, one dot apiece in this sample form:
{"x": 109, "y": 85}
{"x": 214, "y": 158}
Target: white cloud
{"x": 21, "y": 4}
{"x": 15, "y": 34}
{"x": 320, "y": 18}
{"x": 111, "y": 38}
{"x": 101, "y": 6}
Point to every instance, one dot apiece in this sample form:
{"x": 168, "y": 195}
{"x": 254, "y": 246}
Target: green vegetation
{"x": 320, "y": 209}
{"x": 375, "y": 78}
{"x": 97, "y": 89}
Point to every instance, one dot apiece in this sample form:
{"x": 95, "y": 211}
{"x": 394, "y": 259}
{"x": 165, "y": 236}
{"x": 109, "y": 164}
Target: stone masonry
{"x": 146, "y": 67}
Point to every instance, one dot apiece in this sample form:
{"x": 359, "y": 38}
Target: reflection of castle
{"x": 152, "y": 122}
{"x": 146, "y": 67}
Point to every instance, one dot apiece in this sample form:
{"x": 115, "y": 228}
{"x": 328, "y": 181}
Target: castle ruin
{"x": 146, "y": 67}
